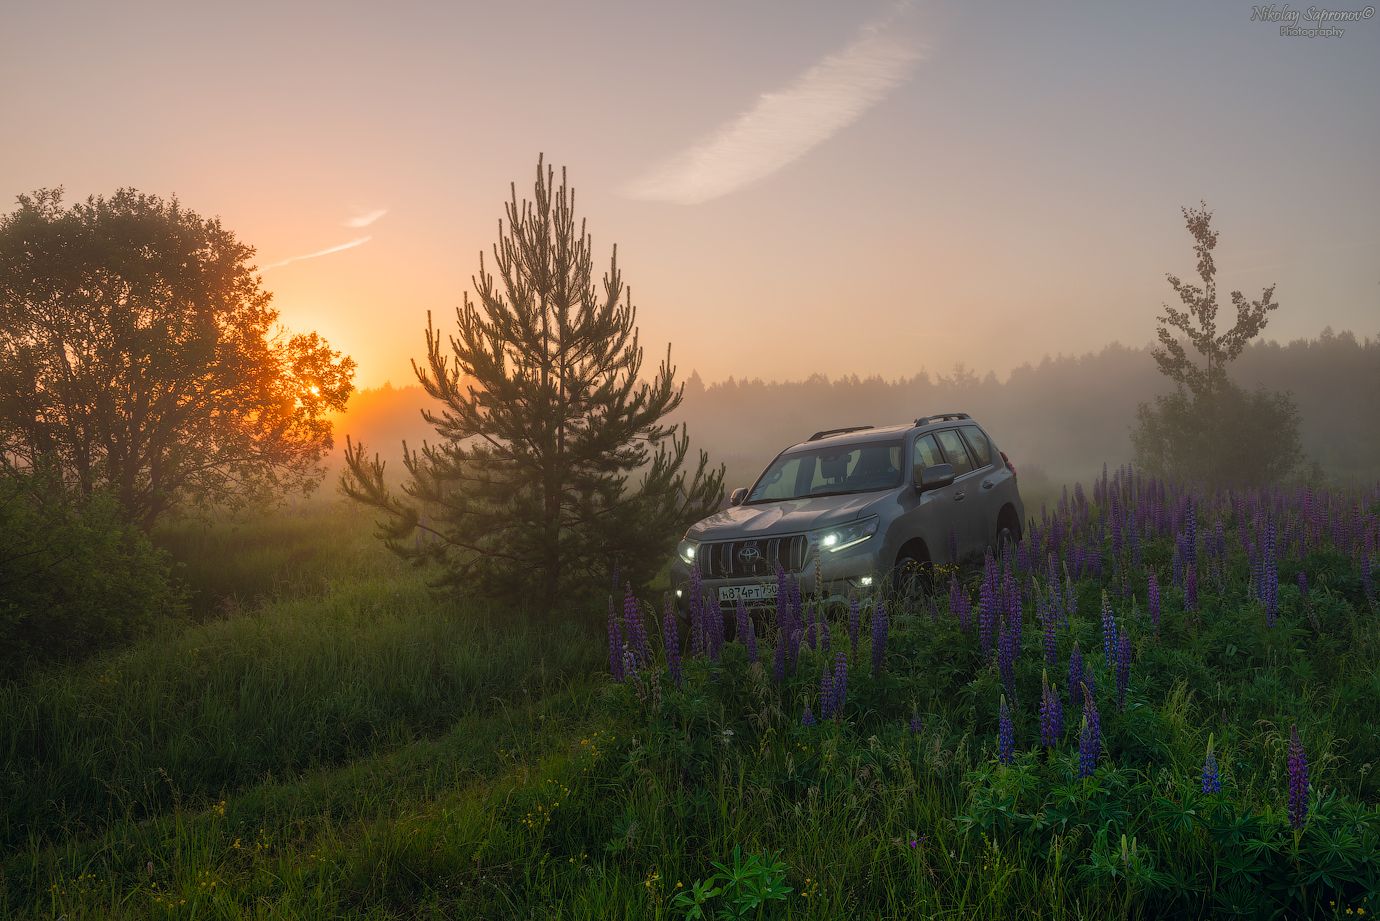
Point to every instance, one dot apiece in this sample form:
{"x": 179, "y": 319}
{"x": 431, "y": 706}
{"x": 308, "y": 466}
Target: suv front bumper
{"x": 852, "y": 572}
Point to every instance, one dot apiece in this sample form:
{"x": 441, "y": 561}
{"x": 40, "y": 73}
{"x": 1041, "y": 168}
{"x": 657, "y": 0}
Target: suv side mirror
{"x": 738, "y": 496}
{"x": 936, "y": 476}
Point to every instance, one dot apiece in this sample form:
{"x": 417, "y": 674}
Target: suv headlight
{"x": 687, "y": 549}
{"x": 844, "y": 536}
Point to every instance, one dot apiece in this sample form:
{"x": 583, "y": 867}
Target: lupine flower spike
{"x": 1006, "y": 734}
{"x": 1212, "y": 780}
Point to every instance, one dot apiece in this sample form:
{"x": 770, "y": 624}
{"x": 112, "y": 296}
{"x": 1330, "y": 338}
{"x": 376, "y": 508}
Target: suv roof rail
{"x": 843, "y": 431}
{"x": 941, "y": 417}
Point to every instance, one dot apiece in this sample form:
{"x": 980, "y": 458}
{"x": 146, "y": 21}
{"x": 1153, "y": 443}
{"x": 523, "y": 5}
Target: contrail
{"x": 321, "y": 252}
{"x": 785, "y": 125}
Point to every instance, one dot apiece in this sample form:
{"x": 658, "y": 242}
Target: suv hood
{"x": 789, "y": 516}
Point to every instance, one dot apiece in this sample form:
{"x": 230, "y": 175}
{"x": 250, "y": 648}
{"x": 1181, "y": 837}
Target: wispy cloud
{"x": 341, "y": 247}
{"x": 784, "y": 125}
{"x": 366, "y": 218}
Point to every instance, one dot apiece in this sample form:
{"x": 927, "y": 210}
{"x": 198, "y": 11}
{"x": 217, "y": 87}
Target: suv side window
{"x": 954, "y": 451}
{"x": 927, "y": 451}
{"x": 978, "y": 445}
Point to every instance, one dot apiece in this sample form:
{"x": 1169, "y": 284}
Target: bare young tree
{"x": 1197, "y": 321}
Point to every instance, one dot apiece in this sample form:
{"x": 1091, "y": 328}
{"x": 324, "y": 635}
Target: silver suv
{"x": 851, "y": 507}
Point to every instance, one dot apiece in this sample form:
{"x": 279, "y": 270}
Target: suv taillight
{"x": 1009, "y": 466}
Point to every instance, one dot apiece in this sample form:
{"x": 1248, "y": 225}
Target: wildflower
{"x": 615, "y": 644}
{"x": 1123, "y": 666}
{"x": 1051, "y": 713}
{"x": 1076, "y": 671}
{"x": 1006, "y": 734}
{"x": 987, "y": 603}
{"x": 1298, "y": 780}
{"x": 879, "y": 627}
{"x": 1303, "y": 585}
{"x": 1089, "y": 737}
{"x": 1051, "y": 642}
{"x": 1152, "y": 591}
{"x": 1006, "y": 659}
{"x": 1212, "y": 780}
{"x": 808, "y": 718}
{"x": 1108, "y": 628}
{"x": 840, "y": 682}
{"x": 670, "y": 639}
{"x": 1191, "y": 587}
{"x": 751, "y": 642}
{"x": 917, "y": 725}
{"x": 742, "y": 625}
{"x": 826, "y": 694}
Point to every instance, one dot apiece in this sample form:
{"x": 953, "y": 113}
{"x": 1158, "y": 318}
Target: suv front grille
{"x": 747, "y": 558}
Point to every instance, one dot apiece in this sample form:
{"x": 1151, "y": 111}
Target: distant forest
{"x": 1058, "y": 420}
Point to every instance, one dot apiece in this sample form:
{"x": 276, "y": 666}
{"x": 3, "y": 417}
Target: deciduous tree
{"x": 139, "y": 355}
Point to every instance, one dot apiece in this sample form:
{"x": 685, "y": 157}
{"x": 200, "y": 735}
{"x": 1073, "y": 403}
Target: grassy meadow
{"x": 327, "y": 737}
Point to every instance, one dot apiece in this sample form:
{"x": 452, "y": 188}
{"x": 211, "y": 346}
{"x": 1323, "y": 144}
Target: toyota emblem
{"x": 749, "y": 554}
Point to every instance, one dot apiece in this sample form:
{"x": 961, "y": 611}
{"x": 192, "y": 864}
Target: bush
{"x": 1225, "y": 437}
{"x": 75, "y": 577}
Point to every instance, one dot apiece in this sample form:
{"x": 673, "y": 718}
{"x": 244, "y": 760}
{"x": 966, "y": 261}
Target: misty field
{"x": 329, "y": 738}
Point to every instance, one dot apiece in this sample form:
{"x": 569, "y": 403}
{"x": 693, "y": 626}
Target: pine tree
{"x": 543, "y": 424}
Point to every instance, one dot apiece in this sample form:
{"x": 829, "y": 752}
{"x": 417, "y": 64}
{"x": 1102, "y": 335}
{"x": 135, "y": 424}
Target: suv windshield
{"x": 830, "y": 471}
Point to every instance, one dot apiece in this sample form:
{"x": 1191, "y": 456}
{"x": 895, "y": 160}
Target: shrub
{"x": 75, "y": 577}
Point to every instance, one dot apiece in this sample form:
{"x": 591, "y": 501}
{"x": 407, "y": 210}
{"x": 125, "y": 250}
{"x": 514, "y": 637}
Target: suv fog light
{"x": 865, "y": 580}
{"x": 680, "y": 594}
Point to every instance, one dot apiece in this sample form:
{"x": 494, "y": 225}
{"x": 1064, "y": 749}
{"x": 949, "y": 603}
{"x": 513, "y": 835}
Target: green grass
{"x": 338, "y": 741}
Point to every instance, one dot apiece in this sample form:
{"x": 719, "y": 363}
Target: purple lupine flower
{"x": 1212, "y": 778}
{"x": 824, "y": 635}
{"x": 1006, "y": 659}
{"x": 879, "y": 627}
{"x": 670, "y": 639}
{"x": 636, "y": 630}
{"x": 917, "y": 725}
{"x": 742, "y": 625}
{"x": 1298, "y": 781}
{"x": 1123, "y": 666}
{"x": 959, "y": 604}
{"x": 840, "y": 683}
{"x": 987, "y": 604}
{"x": 1006, "y": 734}
{"x": 807, "y": 718}
{"x": 1076, "y": 672}
{"x": 1177, "y": 567}
{"x": 826, "y": 694}
{"x": 854, "y": 615}
{"x": 1049, "y": 641}
{"x": 1070, "y": 597}
{"x": 1051, "y": 713}
{"x": 1152, "y": 591}
{"x": 615, "y": 643}
{"x": 1108, "y": 628}
{"x": 1303, "y": 585}
{"x": 751, "y": 642}
{"x": 1089, "y": 737}
{"x": 1191, "y": 587}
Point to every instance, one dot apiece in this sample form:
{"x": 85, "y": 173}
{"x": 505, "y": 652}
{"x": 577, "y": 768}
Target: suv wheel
{"x": 914, "y": 571}
{"x": 1008, "y": 531}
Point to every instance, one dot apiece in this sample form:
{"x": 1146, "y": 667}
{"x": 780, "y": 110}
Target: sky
{"x": 794, "y": 186}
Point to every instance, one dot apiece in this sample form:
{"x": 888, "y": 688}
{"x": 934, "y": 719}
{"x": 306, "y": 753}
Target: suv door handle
{"x": 988, "y": 484}
{"x": 960, "y": 496}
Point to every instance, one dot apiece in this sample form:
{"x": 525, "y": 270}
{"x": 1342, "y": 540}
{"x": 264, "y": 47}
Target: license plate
{"x": 764, "y": 592}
